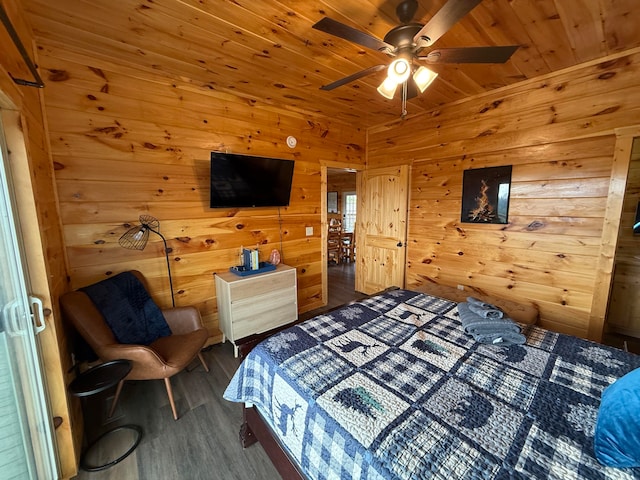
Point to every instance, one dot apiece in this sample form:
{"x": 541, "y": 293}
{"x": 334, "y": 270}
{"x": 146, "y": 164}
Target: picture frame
{"x": 636, "y": 223}
{"x": 332, "y": 202}
{"x": 485, "y": 195}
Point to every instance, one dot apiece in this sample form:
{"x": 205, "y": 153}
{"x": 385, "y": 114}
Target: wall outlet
{"x": 309, "y": 231}
{"x": 460, "y": 287}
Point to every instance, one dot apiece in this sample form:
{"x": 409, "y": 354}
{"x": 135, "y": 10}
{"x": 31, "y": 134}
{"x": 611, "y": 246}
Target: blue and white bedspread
{"x": 392, "y": 387}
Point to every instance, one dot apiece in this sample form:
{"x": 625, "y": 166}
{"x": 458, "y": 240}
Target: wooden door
{"x": 381, "y": 229}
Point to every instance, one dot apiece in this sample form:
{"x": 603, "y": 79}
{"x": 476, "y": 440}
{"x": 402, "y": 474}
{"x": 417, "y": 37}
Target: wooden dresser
{"x": 255, "y": 303}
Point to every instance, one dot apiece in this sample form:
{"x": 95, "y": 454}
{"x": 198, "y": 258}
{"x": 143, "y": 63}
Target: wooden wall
{"x": 36, "y": 204}
{"x": 558, "y": 133}
{"x": 126, "y": 142}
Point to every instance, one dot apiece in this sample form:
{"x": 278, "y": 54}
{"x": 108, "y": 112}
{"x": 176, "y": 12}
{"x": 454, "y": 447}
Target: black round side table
{"x": 96, "y": 380}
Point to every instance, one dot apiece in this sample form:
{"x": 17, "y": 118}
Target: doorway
{"x": 623, "y": 313}
{"x": 341, "y": 243}
{"x": 605, "y": 268}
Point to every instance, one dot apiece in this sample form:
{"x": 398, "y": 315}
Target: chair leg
{"x": 115, "y": 398}
{"x": 203, "y": 362}
{"x": 167, "y": 383}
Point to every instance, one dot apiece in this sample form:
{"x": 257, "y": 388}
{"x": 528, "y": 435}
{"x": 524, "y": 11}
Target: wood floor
{"x": 203, "y": 443}
{"x": 341, "y": 282}
{"x": 623, "y": 342}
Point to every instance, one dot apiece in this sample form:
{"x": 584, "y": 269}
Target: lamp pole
{"x": 166, "y": 254}
{"x": 136, "y": 239}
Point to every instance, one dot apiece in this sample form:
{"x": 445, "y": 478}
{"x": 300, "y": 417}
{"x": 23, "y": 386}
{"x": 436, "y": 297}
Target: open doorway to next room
{"x": 341, "y": 236}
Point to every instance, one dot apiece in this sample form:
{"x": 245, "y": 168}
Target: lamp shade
{"x": 388, "y": 88}
{"x": 135, "y": 238}
{"x": 423, "y": 78}
{"x": 399, "y": 70}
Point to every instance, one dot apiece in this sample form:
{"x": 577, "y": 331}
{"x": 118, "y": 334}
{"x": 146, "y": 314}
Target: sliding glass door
{"x": 27, "y": 448}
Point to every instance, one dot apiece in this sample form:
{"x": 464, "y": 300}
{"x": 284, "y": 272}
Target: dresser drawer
{"x": 262, "y": 313}
{"x": 252, "y": 287}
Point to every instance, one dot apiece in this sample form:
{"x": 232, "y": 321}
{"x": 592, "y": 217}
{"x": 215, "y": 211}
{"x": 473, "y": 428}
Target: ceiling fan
{"x": 405, "y": 43}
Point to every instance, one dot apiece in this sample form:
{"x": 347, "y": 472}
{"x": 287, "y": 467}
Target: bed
{"x": 391, "y": 387}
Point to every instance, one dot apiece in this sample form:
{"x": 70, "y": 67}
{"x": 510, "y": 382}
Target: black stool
{"x": 96, "y": 380}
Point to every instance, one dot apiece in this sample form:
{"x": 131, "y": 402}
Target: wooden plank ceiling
{"x": 267, "y": 50}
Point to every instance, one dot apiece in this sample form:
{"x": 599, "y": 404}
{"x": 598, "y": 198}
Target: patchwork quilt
{"x": 392, "y": 388}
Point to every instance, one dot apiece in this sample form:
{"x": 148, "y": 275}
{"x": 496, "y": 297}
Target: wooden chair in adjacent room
{"x": 347, "y": 247}
{"x": 334, "y": 239}
{"x": 161, "y": 359}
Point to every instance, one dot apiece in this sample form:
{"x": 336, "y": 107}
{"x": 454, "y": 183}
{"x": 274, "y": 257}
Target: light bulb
{"x": 388, "y": 88}
{"x": 423, "y": 78}
{"x": 138, "y": 235}
{"x": 399, "y": 70}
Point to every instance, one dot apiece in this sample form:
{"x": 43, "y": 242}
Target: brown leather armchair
{"x": 160, "y": 360}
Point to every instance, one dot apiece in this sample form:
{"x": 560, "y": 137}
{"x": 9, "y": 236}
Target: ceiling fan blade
{"x": 471, "y": 54}
{"x": 333, "y": 27}
{"x": 446, "y": 18}
{"x": 355, "y": 76}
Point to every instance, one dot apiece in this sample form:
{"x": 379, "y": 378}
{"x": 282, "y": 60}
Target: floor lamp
{"x": 136, "y": 238}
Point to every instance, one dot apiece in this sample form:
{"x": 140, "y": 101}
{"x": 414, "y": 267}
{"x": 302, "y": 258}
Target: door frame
{"x": 324, "y": 165}
{"x": 68, "y": 435}
{"x": 612, "y": 217}
{"x": 23, "y": 343}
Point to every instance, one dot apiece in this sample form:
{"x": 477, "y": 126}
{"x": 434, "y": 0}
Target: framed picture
{"x": 636, "y": 224}
{"x": 485, "y": 195}
{"x": 332, "y": 202}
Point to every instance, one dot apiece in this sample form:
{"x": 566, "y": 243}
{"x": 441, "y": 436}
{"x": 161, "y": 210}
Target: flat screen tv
{"x": 249, "y": 181}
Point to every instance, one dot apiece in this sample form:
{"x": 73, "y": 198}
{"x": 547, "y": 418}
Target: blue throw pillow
{"x": 617, "y": 437}
{"x": 128, "y": 309}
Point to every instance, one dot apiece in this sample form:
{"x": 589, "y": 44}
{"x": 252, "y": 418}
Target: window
{"x": 349, "y": 211}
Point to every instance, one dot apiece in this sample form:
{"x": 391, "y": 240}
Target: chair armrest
{"x": 138, "y": 354}
{"x": 183, "y": 320}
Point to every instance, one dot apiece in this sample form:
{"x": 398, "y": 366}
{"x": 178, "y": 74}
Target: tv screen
{"x": 249, "y": 181}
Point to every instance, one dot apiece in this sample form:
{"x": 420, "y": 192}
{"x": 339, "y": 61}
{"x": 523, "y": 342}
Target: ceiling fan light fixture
{"x": 404, "y": 43}
{"x": 388, "y": 88}
{"x": 423, "y": 78}
{"x": 399, "y": 70}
